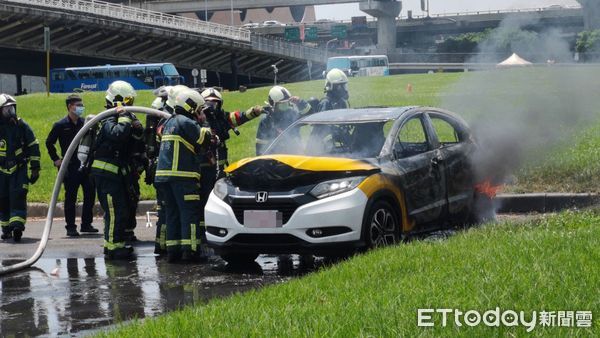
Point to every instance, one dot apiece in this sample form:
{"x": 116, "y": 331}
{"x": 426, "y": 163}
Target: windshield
{"x": 170, "y": 70}
{"x": 350, "y": 140}
{"x": 339, "y": 63}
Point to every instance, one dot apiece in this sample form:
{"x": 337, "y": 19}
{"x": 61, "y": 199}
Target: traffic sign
{"x": 195, "y": 72}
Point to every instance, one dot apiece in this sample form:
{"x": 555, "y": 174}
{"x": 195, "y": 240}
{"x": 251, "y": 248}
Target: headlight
{"x": 334, "y": 187}
{"x": 220, "y": 189}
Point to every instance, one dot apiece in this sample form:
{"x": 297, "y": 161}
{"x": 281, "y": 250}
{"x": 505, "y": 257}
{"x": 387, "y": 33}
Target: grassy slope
{"x": 573, "y": 168}
{"x": 547, "y": 264}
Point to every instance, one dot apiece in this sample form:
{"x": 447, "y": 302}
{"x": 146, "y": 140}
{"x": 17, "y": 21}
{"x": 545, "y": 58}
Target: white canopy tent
{"x": 514, "y": 61}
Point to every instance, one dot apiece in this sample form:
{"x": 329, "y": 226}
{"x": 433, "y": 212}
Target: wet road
{"x": 72, "y": 289}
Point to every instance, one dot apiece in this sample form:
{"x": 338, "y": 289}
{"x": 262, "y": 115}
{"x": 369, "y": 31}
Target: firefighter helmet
{"x": 162, "y": 92}
{"x": 173, "y": 92}
{"x": 334, "y": 78}
{"x": 158, "y": 103}
{"x": 189, "y": 101}
{"x": 120, "y": 91}
{"x": 278, "y": 94}
{"x": 212, "y": 94}
{"x": 8, "y": 107}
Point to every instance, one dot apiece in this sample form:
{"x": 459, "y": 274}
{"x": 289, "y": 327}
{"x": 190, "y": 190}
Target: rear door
{"x": 453, "y": 141}
{"x": 421, "y": 173}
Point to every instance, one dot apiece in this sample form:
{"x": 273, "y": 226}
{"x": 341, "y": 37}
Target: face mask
{"x": 282, "y": 106}
{"x": 9, "y": 112}
{"x": 79, "y": 110}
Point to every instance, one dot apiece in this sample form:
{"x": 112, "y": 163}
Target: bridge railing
{"x": 281, "y": 47}
{"x": 118, "y": 11}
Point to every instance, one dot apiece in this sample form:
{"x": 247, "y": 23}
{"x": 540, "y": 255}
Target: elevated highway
{"x": 100, "y": 30}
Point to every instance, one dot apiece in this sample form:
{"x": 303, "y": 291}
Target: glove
{"x": 255, "y": 111}
{"x": 137, "y": 124}
{"x": 35, "y": 175}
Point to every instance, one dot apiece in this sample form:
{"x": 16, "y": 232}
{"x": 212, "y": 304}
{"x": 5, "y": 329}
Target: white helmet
{"x": 8, "y": 107}
{"x": 211, "y": 94}
{"x": 120, "y": 91}
{"x": 335, "y": 77}
{"x": 158, "y": 103}
{"x": 189, "y": 100}
{"x": 7, "y": 100}
{"x": 278, "y": 94}
{"x": 175, "y": 90}
{"x": 162, "y": 92}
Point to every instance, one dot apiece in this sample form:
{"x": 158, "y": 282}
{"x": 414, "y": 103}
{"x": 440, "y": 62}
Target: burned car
{"x": 341, "y": 180}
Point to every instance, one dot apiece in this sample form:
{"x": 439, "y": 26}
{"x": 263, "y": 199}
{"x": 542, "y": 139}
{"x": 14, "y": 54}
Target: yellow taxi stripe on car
{"x": 308, "y": 163}
{"x": 379, "y": 182}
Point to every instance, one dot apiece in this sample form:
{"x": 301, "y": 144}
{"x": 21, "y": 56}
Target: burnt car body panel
{"x": 429, "y": 179}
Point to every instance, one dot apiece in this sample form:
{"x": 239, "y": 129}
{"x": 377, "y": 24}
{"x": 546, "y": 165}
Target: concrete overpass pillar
{"x": 591, "y": 13}
{"x": 19, "y": 83}
{"x": 386, "y": 12}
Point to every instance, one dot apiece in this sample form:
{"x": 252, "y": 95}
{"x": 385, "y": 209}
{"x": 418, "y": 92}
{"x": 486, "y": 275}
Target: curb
{"x": 544, "y": 202}
{"x": 41, "y": 209}
{"x": 507, "y": 203}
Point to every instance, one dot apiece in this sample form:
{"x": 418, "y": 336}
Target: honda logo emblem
{"x": 262, "y": 196}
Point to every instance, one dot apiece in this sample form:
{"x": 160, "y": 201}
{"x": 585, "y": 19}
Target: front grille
{"x": 286, "y": 207}
{"x": 265, "y": 239}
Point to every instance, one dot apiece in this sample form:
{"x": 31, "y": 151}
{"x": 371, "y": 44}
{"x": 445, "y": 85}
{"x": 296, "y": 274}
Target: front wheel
{"x": 381, "y": 227}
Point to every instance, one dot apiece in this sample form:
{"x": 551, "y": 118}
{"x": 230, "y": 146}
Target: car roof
{"x": 358, "y": 115}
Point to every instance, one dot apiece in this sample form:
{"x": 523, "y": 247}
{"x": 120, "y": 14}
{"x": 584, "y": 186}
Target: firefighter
{"x": 165, "y": 99}
{"x": 112, "y": 165}
{"x": 18, "y": 148}
{"x": 336, "y": 91}
{"x": 281, "y": 111}
{"x": 221, "y": 123}
{"x": 178, "y": 177}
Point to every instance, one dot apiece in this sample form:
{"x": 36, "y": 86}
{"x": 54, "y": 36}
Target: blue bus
{"x": 363, "y": 65}
{"x": 98, "y": 78}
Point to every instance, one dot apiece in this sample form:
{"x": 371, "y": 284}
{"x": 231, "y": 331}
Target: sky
{"x": 346, "y": 11}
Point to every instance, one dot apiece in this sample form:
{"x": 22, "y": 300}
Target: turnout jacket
{"x": 18, "y": 146}
{"x": 182, "y": 145}
{"x": 330, "y": 103}
{"x": 114, "y": 146}
{"x": 221, "y": 123}
{"x": 273, "y": 124}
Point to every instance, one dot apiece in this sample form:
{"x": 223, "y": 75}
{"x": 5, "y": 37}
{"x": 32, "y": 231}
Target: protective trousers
{"x": 134, "y": 199}
{"x": 181, "y": 201}
{"x": 161, "y": 226}
{"x": 13, "y": 200}
{"x": 114, "y": 200}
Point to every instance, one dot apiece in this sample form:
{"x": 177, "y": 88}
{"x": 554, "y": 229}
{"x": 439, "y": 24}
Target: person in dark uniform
{"x": 18, "y": 148}
{"x": 336, "y": 91}
{"x": 221, "y": 123}
{"x": 282, "y": 110}
{"x": 64, "y": 132}
{"x": 112, "y": 167}
{"x": 178, "y": 176}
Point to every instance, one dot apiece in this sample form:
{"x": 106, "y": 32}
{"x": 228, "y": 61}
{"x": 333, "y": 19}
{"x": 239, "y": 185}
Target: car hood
{"x": 285, "y": 172}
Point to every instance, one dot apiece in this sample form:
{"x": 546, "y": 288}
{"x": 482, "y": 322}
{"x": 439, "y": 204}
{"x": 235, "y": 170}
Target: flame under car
{"x": 342, "y": 180}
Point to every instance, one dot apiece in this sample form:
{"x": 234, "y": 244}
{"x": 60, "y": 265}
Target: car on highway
{"x": 337, "y": 181}
{"x": 272, "y": 23}
{"x": 251, "y": 25}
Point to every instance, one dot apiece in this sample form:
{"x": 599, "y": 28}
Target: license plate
{"x": 262, "y": 219}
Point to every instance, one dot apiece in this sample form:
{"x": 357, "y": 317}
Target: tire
{"x": 239, "y": 258}
{"x": 381, "y": 226}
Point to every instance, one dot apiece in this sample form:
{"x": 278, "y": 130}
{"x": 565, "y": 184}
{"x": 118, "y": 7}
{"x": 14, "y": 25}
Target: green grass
{"x": 550, "y": 263}
{"x": 573, "y": 166}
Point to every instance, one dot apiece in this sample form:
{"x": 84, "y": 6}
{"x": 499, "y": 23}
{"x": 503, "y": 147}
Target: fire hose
{"x": 59, "y": 180}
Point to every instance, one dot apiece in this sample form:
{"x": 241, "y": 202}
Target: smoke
{"x": 519, "y": 115}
